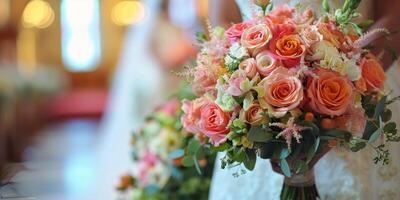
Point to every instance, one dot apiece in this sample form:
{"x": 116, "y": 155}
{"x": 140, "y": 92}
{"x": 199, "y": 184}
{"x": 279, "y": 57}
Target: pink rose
{"x": 280, "y": 15}
{"x": 256, "y": 36}
{"x": 266, "y": 63}
{"x": 234, "y": 33}
{"x": 235, "y": 82}
{"x": 148, "y": 160}
{"x": 214, "y": 123}
{"x": 249, "y": 67}
{"x": 353, "y": 121}
{"x": 254, "y": 114}
{"x": 329, "y": 93}
{"x": 203, "y": 82}
{"x": 283, "y": 91}
{"x": 192, "y": 112}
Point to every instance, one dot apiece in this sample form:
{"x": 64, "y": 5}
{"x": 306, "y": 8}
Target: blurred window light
{"x": 37, "y": 14}
{"x": 80, "y": 24}
{"x": 126, "y": 13}
{"x": 4, "y": 11}
{"x": 182, "y": 13}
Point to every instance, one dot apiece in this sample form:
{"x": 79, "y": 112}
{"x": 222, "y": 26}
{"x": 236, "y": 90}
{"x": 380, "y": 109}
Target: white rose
{"x": 353, "y": 71}
{"x": 238, "y": 51}
{"x": 328, "y": 55}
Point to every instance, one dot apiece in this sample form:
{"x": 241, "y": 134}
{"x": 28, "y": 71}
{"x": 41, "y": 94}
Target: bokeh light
{"x": 38, "y": 14}
{"x": 128, "y": 12}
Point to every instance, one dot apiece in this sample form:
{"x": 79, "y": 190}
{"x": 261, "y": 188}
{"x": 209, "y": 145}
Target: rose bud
{"x": 261, "y": 3}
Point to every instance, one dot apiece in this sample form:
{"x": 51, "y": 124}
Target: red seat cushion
{"x": 83, "y": 103}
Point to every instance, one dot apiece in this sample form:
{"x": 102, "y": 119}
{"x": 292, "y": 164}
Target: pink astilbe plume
{"x": 290, "y": 131}
{"x": 369, "y": 37}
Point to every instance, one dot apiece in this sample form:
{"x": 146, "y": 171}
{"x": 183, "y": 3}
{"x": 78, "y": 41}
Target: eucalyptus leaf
{"x": 379, "y": 107}
{"x": 370, "y": 128}
{"x": 196, "y": 164}
{"x": 313, "y": 150}
{"x": 374, "y": 136}
{"x": 187, "y": 161}
{"x": 193, "y": 147}
{"x": 285, "y": 168}
{"x": 176, "y": 154}
{"x": 284, "y": 153}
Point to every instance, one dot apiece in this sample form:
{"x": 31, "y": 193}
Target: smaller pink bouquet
{"x": 159, "y": 172}
{"x": 289, "y": 86}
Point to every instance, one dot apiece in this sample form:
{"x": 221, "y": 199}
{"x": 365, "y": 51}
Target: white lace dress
{"x": 339, "y": 175}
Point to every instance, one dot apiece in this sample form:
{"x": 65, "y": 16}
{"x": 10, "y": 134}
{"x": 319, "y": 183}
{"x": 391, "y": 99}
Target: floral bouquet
{"x": 288, "y": 86}
{"x": 157, "y": 151}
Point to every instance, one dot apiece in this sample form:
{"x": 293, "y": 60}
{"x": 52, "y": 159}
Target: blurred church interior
{"x": 57, "y": 66}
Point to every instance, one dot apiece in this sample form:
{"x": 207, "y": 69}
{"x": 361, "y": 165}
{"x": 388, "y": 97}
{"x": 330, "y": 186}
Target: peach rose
{"x": 249, "y": 67}
{"x": 283, "y": 91}
{"x": 234, "y": 33}
{"x": 373, "y": 73}
{"x": 253, "y": 115}
{"x": 192, "y": 113}
{"x": 353, "y": 121}
{"x": 310, "y": 35}
{"x": 281, "y": 15}
{"x": 329, "y": 93}
{"x": 289, "y": 49}
{"x": 256, "y": 36}
{"x": 266, "y": 63}
{"x": 214, "y": 123}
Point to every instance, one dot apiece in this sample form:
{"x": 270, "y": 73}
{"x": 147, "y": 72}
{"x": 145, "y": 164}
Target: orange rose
{"x": 373, "y": 73}
{"x": 329, "y": 93}
{"x": 289, "y": 49}
{"x": 332, "y": 34}
{"x": 253, "y": 115}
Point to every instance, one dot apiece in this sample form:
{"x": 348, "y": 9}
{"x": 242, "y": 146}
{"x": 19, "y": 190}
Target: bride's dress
{"x": 339, "y": 175}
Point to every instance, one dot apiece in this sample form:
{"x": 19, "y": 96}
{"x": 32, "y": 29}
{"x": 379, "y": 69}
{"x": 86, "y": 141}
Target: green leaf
{"x": 193, "y": 147}
{"x": 379, "y": 107}
{"x": 221, "y": 147}
{"x": 370, "y": 129}
{"x": 285, "y": 168}
{"x": 284, "y": 153}
{"x": 188, "y": 161}
{"x": 358, "y": 29}
{"x": 374, "y": 136}
{"x": 386, "y": 115}
{"x": 258, "y": 134}
{"x": 266, "y": 151}
{"x": 250, "y": 161}
{"x": 201, "y": 37}
{"x": 299, "y": 166}
{"x": 336, "y": 133}
{"x": 325, "y": 5}
{"x": 356, "y": 144}
{"x": 390, "y": 128}
{"x": 196, "y": 164}
{"x": 176, "y": 154}
{"x": 314, "y": 148}
{"x": 239, "y": 155}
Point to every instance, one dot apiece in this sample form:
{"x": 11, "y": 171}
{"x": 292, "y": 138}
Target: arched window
{"x": 80, "y": 26}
